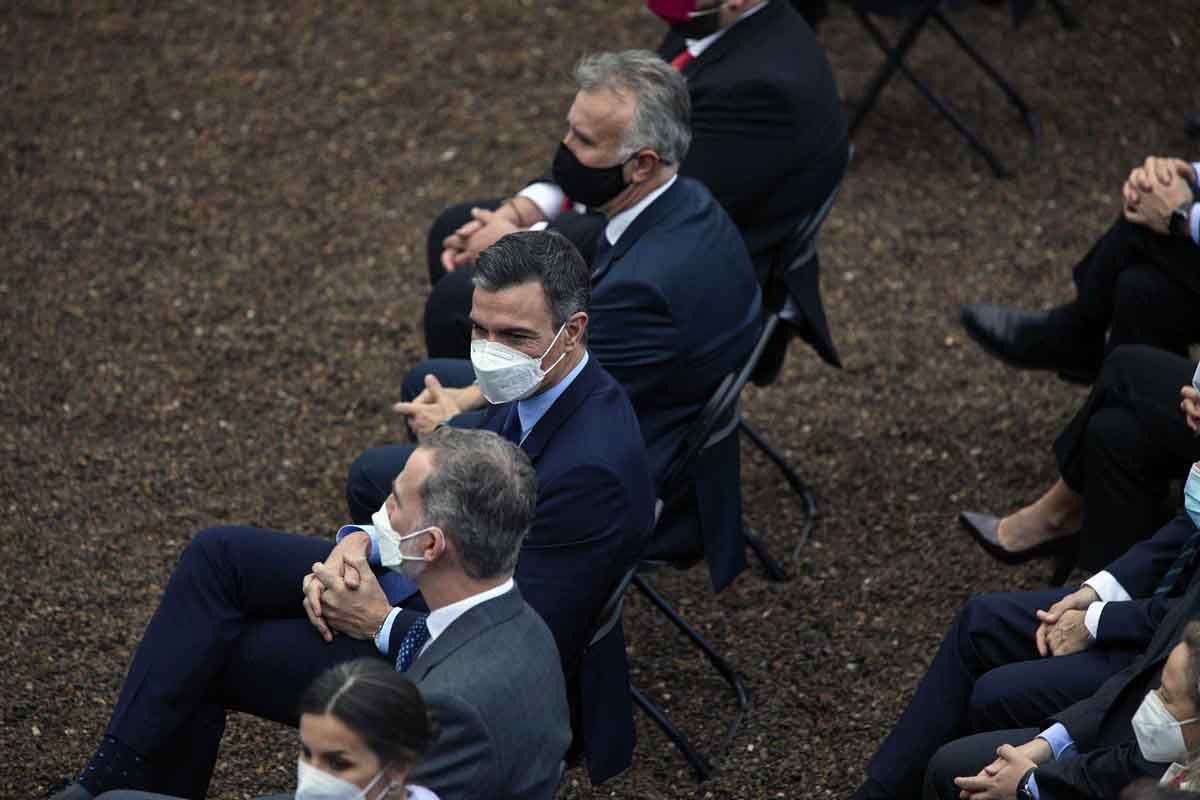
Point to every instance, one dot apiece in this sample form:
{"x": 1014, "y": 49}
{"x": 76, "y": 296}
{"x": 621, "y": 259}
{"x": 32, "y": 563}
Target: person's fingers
{"x": 317, "y": 622}
{"x": 1040, "y": 636}
{"x": 448, "y": 260}
{"x": 407, "y": 409}
{"x": 312, "y": 593}
{"x": 434, "y": 387}
{"x": 482, "y": 215}
{"x": 975, "y": 783}
{"x": 352, "y": 575}
{"x": 1007, "y": 752}
{"x": 361, "y": 569}
{"x": 326, "y": 576}
{"x": 463, "y": 259}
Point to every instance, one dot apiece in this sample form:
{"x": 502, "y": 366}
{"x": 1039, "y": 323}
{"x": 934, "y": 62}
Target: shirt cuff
{"x": 1032, "y": 786}
{"x": 1194, "y": 222}
{"x": 382, "y": 639}
{"x": 1091, "y": 619}
{"x": 1057, "y": 737}
{"x": 1108, "y": 587}
{"x": 369, "y": 530}
{"x": 546, "y": 196}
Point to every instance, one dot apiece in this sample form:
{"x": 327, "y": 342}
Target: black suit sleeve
{"x": 1143, "y": 566}
{"x": 1131, "y": 623}
{"x": 1099, "y": 774}
{"x": 646, "y": 338}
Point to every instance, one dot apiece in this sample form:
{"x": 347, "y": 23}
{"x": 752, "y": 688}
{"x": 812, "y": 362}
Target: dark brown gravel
{"x": 213, "y": 218}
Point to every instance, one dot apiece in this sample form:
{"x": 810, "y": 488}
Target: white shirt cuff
{"x": 546, "y": 196}
{"x": 385, "y": 631}
{"x": 1194, "y": 222}
{"x": 1058, "y": 738}
{"x": 1091, "y": 619}
{"x": 1108, "y": 587}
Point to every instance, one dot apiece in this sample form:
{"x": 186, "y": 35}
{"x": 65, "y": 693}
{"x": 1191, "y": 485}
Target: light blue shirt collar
{"x": 532, "y": 409}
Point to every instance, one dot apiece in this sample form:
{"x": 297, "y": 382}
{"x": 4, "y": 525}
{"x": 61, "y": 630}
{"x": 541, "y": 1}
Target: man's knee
{"x": 1113, "y": 435}
{"x": 208, "y": 548}
{"x": 940, "y": 773}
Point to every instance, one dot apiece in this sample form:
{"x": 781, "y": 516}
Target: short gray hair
{"x": 545, "y": 257}
{"x": 662, "y": 118}
{"x": 482, "y": 493}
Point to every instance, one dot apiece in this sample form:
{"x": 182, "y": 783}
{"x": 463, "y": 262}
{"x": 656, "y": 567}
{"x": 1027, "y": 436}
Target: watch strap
{"x": 1023, "y": 792}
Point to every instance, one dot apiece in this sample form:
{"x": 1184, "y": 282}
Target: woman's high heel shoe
{"x": 985, "y": 530}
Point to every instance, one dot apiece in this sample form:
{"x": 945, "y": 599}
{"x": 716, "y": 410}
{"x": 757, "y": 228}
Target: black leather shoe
{"x": 1034, "y": 339}
{"x": 985, "y": 530}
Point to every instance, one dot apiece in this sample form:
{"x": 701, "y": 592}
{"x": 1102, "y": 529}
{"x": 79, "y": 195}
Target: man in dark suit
{"x": 595, "y": 494}
{"x": 231, "y": 633}
{"x": 768, "y": 140}
{"x": 1010, "y": 660}
{"x": 675, "y": 305}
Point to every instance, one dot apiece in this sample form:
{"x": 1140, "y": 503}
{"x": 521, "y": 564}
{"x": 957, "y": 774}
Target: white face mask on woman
{"x": 1159, "y": 734}
{"x": 505, "y": 374}
{"x": 315, "y": 784}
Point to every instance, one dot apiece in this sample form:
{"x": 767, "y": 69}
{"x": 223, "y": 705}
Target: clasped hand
{"x": 434, "y": 405}
{"x": 1061, "y": 631}
{"x": 342, "y": 595}
{"x": 462, "y": 247}
{"x": 998, "y": 780}
{"x": 1155, "y": 189}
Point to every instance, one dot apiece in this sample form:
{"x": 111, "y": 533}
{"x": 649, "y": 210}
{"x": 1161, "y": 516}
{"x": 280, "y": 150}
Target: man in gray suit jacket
{"x": 231, "y": 633}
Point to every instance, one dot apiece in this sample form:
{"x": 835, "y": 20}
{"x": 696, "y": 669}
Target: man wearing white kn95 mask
{"x": 548, "y": 395}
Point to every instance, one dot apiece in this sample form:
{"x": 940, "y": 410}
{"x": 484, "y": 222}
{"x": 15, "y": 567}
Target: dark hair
{"x": 482, "y": 493}
{"x": 379, "y": 704}
{"x": 545, "y": 257}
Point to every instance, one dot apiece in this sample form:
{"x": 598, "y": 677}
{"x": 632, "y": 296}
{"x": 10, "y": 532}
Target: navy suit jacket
{"x": 595, "y": 509}
{"x": 675, "y": 307}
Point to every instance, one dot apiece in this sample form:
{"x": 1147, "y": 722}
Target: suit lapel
{"x": 561, "y": 409}
{"x": 662, "y": 206}
{"x": 468, "y": 626}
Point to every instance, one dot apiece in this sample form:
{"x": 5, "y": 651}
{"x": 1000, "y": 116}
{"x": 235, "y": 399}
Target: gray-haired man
{"x": 230, "y": 634}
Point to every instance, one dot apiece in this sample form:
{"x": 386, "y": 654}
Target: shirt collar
{"x": 618, "y": 224}
{"x": 441, "y": 619}
{"x": 698, "y": 46}
{"x": 532, "y": 409}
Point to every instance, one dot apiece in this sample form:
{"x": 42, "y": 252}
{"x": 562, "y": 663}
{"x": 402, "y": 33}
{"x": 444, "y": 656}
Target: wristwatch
{"x": 1178, "y": 224}
{"x": 1023, "y": 792}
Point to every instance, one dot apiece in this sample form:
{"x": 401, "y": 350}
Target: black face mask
{"x": 592, "y": 186}
{"x": 705, "y": 23}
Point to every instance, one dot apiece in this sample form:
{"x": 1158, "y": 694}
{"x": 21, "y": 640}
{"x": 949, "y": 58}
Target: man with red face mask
{"x": 768, "y": 140}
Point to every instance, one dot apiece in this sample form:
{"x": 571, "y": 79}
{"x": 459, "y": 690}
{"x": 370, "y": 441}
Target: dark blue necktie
{"x": 512, "y": 426}
{"x": 414, "y": 639}
{"x": 600, "y": 256}
{"x": 1181, "y": 563}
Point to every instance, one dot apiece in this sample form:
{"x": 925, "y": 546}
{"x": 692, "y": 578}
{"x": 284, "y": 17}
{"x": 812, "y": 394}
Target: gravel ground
{"x": 213, "y": 218}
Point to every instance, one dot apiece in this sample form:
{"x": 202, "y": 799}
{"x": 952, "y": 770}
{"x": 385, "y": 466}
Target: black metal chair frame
{"x": 895, "y": 52}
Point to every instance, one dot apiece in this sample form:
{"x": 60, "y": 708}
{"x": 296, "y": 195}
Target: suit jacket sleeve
{"x": 459, "y": 764}
{"x": 1098, "y": 774}
{"x": 1143, "y": 566}
{"x": 1132, "y": 623}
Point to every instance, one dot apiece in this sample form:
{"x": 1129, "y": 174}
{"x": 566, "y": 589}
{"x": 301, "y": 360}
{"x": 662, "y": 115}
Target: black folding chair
{"x": 918, "y": 13}
{"x": 793, "y": 308}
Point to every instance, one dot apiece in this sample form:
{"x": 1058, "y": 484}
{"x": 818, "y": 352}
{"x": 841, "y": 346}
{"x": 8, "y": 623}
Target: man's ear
{"x": 574, "y": 330}
{"x": 437, "y": 546}
{"x": 643, "y": 164}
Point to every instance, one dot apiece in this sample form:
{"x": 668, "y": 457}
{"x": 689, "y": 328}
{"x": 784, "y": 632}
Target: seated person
{"x": 363, "y": 727}
{"x": 239, "y": 627}
{"x": 1010, "y": 660}
{"x": 674, "y": 302}
{"x": 1139, "y": 724}
{"x": 1116, "y": 459}
{"x": 768, "y": 139}
{"x": 763, "y": 98}
{"x": 1139, "y": 284}
{"x": 595, "y": 505}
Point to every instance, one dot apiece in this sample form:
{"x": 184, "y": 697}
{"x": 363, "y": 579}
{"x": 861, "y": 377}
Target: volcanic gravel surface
{"x": 213, "y": 219}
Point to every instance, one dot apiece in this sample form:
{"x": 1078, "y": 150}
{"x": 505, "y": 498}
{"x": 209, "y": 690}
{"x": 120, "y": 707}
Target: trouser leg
{"x": 227, "y": 579}
{"x": 1124, "y": 445}
{"x": 966, "y": 757}
{"x": 990, "y": 631}
{"x": 1154, "y": 308}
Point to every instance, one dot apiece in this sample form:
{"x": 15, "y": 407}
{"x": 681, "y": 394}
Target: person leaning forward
{"x": 231, "y": 632}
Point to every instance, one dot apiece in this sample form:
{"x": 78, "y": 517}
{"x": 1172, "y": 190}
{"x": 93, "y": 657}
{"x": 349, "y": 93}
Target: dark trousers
{"x": 447, "y": 324}
{"x": 966, "y": 757}
{"x": 1142, "y": 286}
{"x": 1124, "y": 446}
{"x": 372, "y": 473}
{"x": 229, "y": 633}
{"x": 987, "y": 675}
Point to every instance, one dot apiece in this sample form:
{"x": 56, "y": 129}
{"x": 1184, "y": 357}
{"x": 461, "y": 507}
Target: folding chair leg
{"x": 1068, "y": 19}
{"x": 716, "y": 659}
{"x": 895, "y": 56}
{"x": 698, "y": 762}
{"x": 1031, "y": 121}
{"x": 792, "y": 477}
{"x": 771, "y": 567}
